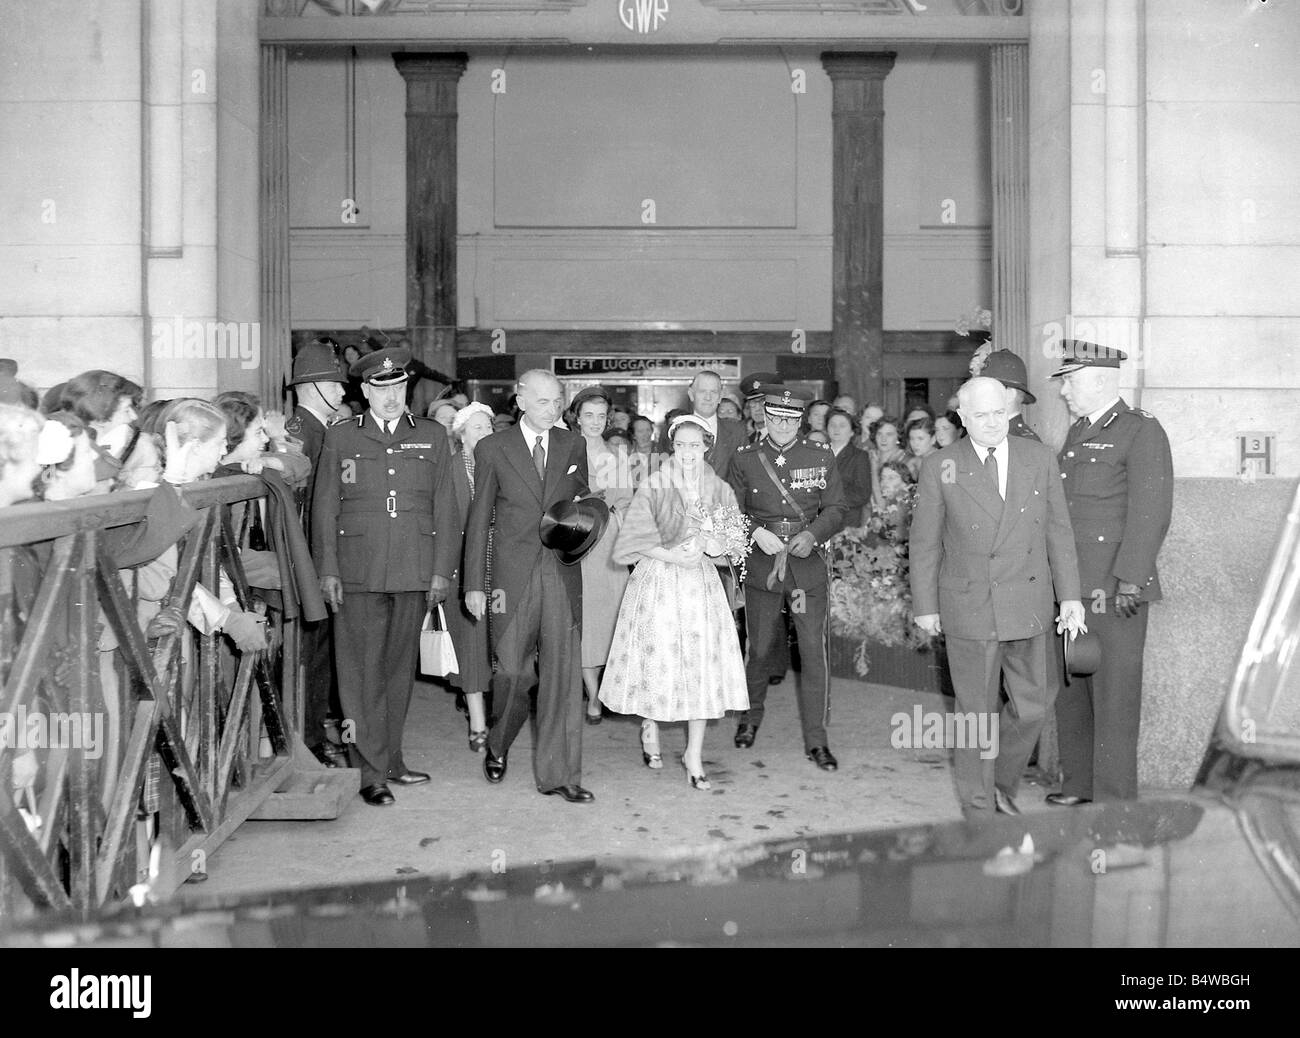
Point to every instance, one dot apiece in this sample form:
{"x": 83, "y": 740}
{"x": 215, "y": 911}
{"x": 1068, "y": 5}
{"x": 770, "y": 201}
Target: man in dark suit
{"x": 536, "y": 600}
{"x": 318, "y": 383}
{"x": 1118, "y": 479}
{"x": 990, "y": 539}
{"x": 705, "y": 394}
{"x": 386, "y": 537}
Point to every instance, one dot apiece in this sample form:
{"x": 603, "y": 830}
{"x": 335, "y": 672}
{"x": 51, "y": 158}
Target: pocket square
{"x": 572, "y": 470}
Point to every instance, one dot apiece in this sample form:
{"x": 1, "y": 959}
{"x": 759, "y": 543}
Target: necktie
{"x": 539, "y": 459}
{"x": 991, "y": 470}
{"x": 468, "y": 455}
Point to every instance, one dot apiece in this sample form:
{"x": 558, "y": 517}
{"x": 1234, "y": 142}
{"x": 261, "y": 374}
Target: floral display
{"x": 870, "y": 592}
{"x": 729, "y": 525}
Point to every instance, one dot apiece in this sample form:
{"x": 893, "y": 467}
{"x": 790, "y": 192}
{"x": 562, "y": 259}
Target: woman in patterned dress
{"x": 675, "y": 655}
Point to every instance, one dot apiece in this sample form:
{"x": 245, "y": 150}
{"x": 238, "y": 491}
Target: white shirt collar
{"x": 531, "y": 434}
{"x": 1096, "y": 416}
{"x": 383, "y": 423}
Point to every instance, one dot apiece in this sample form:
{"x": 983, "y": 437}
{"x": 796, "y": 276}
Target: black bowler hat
{"x": 752, "y": 385}
{"x": 386, "y": 367}
{"x": 1076, "y": 354}
{"x": 316, "y": 363}
{"x": 1082, "y": 654}
{"x": 572, "y": 528}
{"x": 1008, "y": 369}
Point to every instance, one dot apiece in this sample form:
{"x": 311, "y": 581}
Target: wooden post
{"x": 431, "y": 112}
{"x": 857, "y": 315}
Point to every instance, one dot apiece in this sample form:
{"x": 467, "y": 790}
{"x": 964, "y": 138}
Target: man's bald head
{"x": 541, "y": 398}
{"x": 982, "y": 404}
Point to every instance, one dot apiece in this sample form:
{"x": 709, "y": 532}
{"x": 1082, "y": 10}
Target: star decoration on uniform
{"x": 780, "y": 459}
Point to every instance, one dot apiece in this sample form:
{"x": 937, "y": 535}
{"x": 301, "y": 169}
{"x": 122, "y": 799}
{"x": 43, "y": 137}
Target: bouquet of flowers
{"x": 977, "y": 325}
{"x": 870, "y": 592}
{"x": 729, "y": 527}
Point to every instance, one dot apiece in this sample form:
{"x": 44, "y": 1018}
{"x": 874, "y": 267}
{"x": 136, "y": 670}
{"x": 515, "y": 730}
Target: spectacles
{"x": 783, "y": 420}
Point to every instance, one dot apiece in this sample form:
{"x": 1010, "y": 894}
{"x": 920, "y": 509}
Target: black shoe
{"x": 823, "y": 758}
{"x": 776, "y": 679}
{"x": 461, "y": 705}
{"x": 594, "y": 718}
{"x": 1066, "y": 800}
{"x": 573, "y": 794}
{"x": 494, "y": 767}
{"x": 377, "y": 795}
{"x": 745, "y": 735}
{"x": 329, "y": 757}
{"x": 409, "y": 778}
{"x": 1003, "y": 804}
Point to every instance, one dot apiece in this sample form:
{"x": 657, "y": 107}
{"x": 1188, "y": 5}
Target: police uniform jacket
{"x": 307, "y": 429}
{"x": 383, "y": 513}
{"x": 808, "y": 471}
{"x": 1118, "y": 477}
{"x": 1017, "y": 427}
{"x": 987, "y": 566}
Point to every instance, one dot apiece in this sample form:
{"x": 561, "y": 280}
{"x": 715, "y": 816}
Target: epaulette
{"x": 1144, "y": 414}
{"x": 745, "y": 447}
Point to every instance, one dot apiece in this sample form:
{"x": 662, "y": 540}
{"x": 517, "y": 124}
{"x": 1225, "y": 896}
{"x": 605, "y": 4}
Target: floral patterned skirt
{"x": 675, "y": 655}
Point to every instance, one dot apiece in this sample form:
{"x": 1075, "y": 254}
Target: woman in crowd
{"x": 883, "y": 446}
{"x": 675, "y": 655}
{"x": 257, "y": 440}
{"x": 444, "y": 412}
{"x": 641, "y": 458}
{"x": 871, "y": 414}
{"x": 852, "y": 462}
{"x": 948, "y": 429}
{"x": 846, "y": 403}
{"x": 815, "y": 416}
{"x": 897, "y": 495}
{"x": 920, "y": 443}
{"x": 19, "y": 432}
{"x": 470, "y": 639}
{"x": 107, "y": 404}
{"x": 603, "y": 580}
{"x": 918, "y": 411}
{"x": 618, "y": 441}
{"x": 729, "y": 410}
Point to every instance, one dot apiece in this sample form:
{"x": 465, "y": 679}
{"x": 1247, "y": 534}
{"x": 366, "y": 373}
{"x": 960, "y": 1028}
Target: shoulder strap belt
{"x": 776, "y": 481}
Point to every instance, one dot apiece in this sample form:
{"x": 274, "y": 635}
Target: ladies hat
{"x": 1081, "y": 654}
{"x": 572, "y": 528}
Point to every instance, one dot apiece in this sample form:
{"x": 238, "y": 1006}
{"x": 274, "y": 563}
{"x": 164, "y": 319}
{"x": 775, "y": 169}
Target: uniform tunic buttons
{"x": 390, "y": 450}
{"x": 392, "y": 472}
{"x": 1070, "y": 454}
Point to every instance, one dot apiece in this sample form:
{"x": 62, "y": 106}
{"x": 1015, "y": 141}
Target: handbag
{"x": 437, "y": 654}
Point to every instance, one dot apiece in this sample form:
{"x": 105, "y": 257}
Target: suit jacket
{"x": 731, "y": 437}
{"x": 307, "y": 428}
{"x": 463, "y": 499}
{"x": 383, "y": 514}
{"x": 505, "y": 482}
{"x": 855, "y": 473}
{"x": 1119, "y": 483}
{"x": 992, "y": 570}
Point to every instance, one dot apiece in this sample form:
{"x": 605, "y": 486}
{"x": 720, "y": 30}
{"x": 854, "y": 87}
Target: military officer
{"x": 790, "y": 489}
{"x": 1009, "y": 369}
{"x": 386, "y": 536}
{"x": 751, "y": 387}
{"x": 1118, "y": 477}
{"x": 318, "y": 383}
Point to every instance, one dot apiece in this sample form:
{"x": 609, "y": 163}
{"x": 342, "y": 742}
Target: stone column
{"x": 431, "y": 112}
{"x": 857, "y": 317}
{"x": 1009, "y": 126}
{"x": 274, "y": 233}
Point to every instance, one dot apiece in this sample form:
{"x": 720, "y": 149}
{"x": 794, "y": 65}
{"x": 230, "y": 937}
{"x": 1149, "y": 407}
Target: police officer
{"x": 1118, "y": 477}
{"x": 1009, "y": 369}
{"x": 318, "y": 384}
{"x": 386, "y": 536}
{"x": 790, "y": 489}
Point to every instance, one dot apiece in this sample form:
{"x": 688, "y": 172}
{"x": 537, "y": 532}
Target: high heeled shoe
{"x": 700, "y": 781}
{"x": 650, "y": 747}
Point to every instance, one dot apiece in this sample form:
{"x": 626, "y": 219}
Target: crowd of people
{"x": 579, "y": 554}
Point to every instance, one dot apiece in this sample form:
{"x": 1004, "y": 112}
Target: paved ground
{"x": 459, "y": 823}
